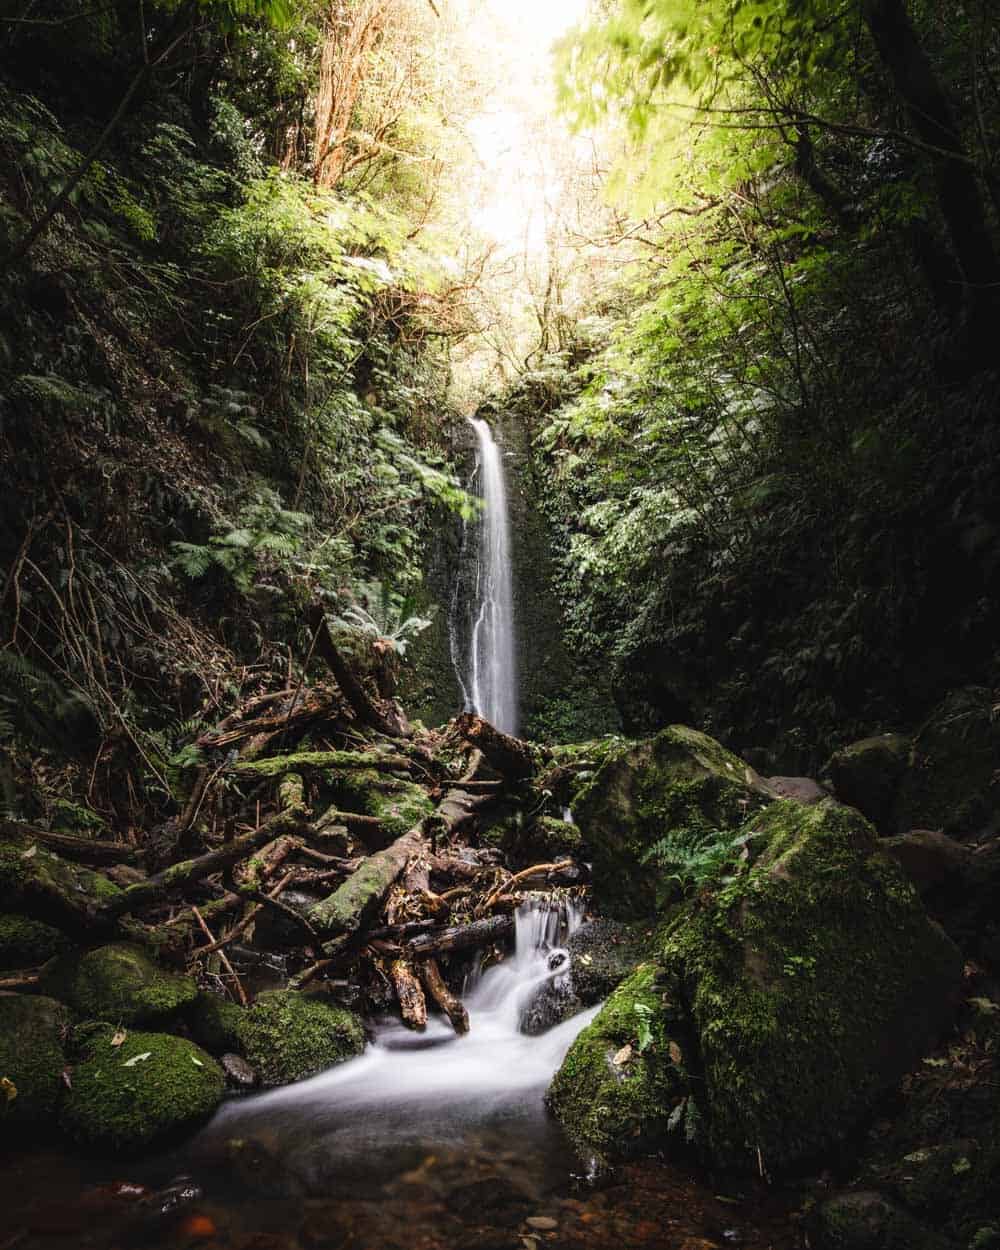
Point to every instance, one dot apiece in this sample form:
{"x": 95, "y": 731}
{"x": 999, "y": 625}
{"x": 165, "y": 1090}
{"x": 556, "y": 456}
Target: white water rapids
{"x": 492, "y": 676}
{"x": 411, "y": 1089}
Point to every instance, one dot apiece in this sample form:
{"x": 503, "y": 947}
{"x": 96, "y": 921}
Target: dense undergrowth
{"x": 775, "y": 475}
{"x": 223, "y": 388}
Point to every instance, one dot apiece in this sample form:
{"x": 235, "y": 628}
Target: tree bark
{"x": 389, "y": 723}
{"x": 462, "y": 937}
{"x": 82, "y": 850}
{"x": 509, "y": 756}
{"x": 412, "y": 1003}
{"x": 448, "y": 1002}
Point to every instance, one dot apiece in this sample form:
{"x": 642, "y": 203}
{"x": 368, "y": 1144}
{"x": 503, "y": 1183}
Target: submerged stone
{"x": 681, "y": 780}
{"x": 32, "y": 1058}
{"x": 119, "y": 984}
{"x": 287, "y": 1036}
{"x": 789, "y": 1001}
{"x": 141, "y": 1092}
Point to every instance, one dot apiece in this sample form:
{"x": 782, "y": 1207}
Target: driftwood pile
{"x": 246, "y": 836}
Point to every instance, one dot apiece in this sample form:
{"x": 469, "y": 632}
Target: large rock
{"x": 143, "y": 1092}
{"x": 32, "y": 1059}
{"x": 681, "y": 780}
{"x": 953, "y": 782}
{"x": 288, "y": 1036}
{"x": 779, "y": 1009}
{"x": 119, "y": 984}
{"x": 867, "y": 774}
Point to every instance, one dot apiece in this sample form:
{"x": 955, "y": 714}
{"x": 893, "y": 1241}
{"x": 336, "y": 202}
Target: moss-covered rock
{"x": 25, "y": 942}
{"x": 867, "y": 775}
{"x": 32, "y": 1058}
{"x": 620, "y": 1085}
{"x": 868, "y": 1221}
{"x": 810, "y": 982}
{"x": 119, "y": 983}
{"x": 141, "y": 1093}
{"x": 288, "y": 1036}
{"x": 681, "y": 780}
{"x": 214, "y": 1023}
{"x": 953, "y": 781}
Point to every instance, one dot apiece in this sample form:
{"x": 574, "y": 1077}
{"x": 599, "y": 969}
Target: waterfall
{"x": 491, "y": 684}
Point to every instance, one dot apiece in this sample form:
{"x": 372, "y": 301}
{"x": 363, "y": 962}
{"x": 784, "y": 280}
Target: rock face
{"x": 867, "y": 775}
{"x": 775, "y": 1011}
{"x": 119, "y": 984}
{"x": 287, "y": 1036}
{"x": 31, "y": 1060}
{"x": 953, "y": 782}
{"x": 140, "y": 1093}
{"x": 679, "y": 780}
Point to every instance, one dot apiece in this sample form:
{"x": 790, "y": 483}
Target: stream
{"x": 428, "y": 1141}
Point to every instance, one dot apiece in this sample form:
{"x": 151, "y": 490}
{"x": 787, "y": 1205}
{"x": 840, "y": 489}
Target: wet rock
{"x": 602, "y": 953}
{"x": 868, "y": 1221}
{"x": 119, "y": 984}
{"x": 817, "y": 959}
{"x": 553, "y": 1002}
{"x": 287, "y": 1036}
{"x": 802, "y": 789}
{"x": 680, "y": 779}
{"x": 953, "y": 781}
{"x": 32, "y": 1058}
{"x": 867, "y": 775}
{"x": 239, "y": 1073}
{"x": 139, "y": 1093}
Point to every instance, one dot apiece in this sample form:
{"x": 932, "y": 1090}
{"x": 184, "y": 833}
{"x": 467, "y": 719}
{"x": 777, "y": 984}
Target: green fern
{"x": 37, "y": 708}
{"x": 693, "y": 858}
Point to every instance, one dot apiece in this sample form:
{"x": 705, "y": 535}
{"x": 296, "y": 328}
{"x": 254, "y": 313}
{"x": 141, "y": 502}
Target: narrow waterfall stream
{"x": 491, "y": 680}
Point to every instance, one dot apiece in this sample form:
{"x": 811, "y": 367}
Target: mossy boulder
{"x": 32, "y": 1058}
{"x": 867, "y": 775}
{"x": 619, "y": 1085}
{"x": 25, "y": 942}
{"x": 46, "y": 885}
{"x": 866, "y": 1220}
{"x": 681, "y": 780}
{"x": 214, "y": 1023}
{"x": 288, "y": 1036}
{"x": 120, "y": 984}
{"x": 810, "y": 983}
{"x": 953, "y": 781}
{"x": 144, "y": 1092}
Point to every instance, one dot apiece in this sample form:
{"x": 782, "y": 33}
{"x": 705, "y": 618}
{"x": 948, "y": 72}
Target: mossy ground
{"x": 32, "y": 1029}
{"x": 140, "y": 1093}
{"x": 288, "y": 1036}
{"x": 120, "y": 984}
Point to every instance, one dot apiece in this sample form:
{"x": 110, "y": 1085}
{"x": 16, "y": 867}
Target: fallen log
{"x": 460, "y": 869}
{"x": 384, "y": 721}
{"x": 278, "y": 765}
{"x": 82, "y": 850}
{"x": 355, "y": 904}
{"x": 412, "y": 1003}
{"x": 462, "y": 937}
{"x": 448, "y": 1002}
{"x": 549, "y": 871}
{"x": 188, "y": 871}
{"x": 511, "y": 757}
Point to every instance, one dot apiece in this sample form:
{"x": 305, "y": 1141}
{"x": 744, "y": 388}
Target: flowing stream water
{"x": 491, "y": 679}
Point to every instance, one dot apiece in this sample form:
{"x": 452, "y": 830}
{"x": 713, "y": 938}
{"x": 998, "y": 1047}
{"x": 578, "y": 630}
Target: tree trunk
{"x": 463, "y": 937}
{"x": 449, "y": 1003}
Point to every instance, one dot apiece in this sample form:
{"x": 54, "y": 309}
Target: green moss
{"x": 618, "y": 1109}
{"x": 679, "y": 780}
{"x": 68, "y": 817}
{"x": 816, "y": 980}
{"x": 119, "y": 983}
{"x": 398, "y": 805}
{"x": 864, "y": 1221}
{"x": 288, "y": 1036}
{"x": 27, "y": 872}
{"x": 138, "y": 1094}
{"x": 867, "y": 775}
{"x": 25, "y": 942}
{"x": 279, "y": 765}
{"x": 214, "y": 1023}
{"x": 32, "y": 1058}
{"x": 953, "y": 782}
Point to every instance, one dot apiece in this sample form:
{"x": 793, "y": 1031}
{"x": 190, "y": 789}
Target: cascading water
{"x": 491, "y": 678}
{"x": 426, "y": 1091}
